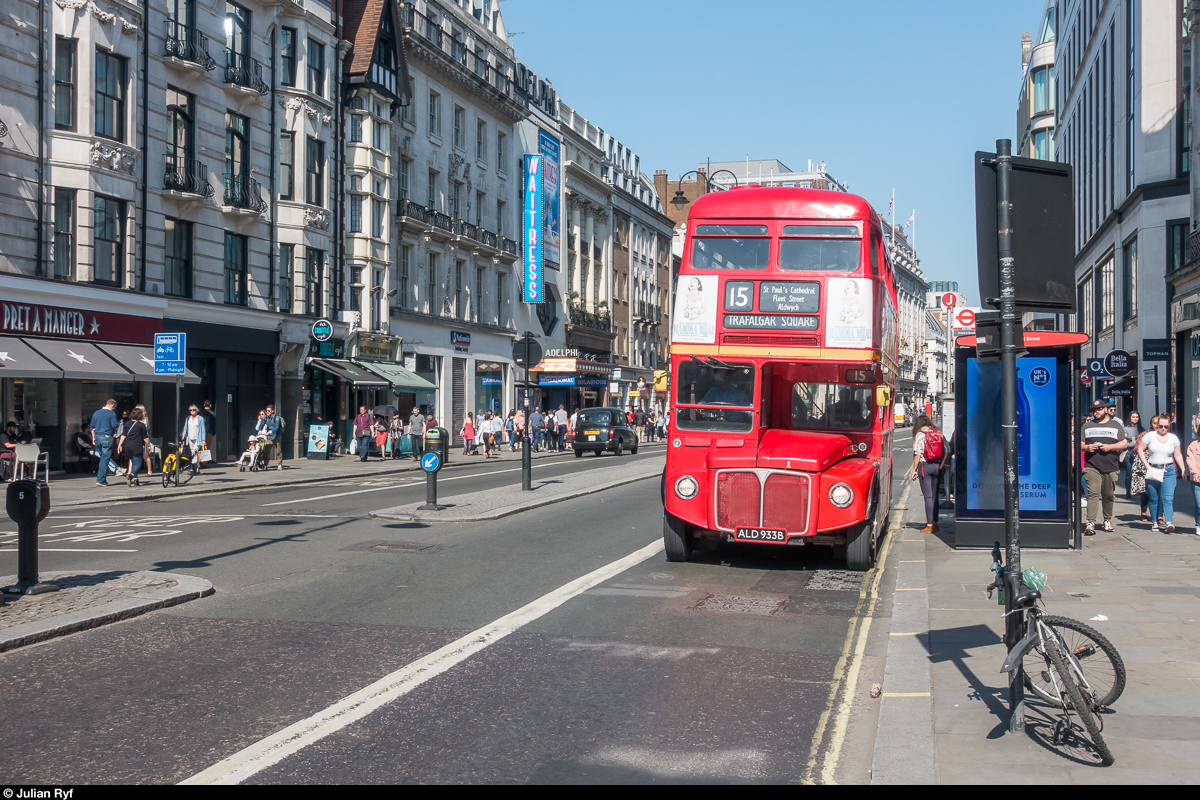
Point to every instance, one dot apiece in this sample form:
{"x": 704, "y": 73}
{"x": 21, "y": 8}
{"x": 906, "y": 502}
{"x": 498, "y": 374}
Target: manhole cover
{"x": 408, "y": 546}
{"x": 740, "y": 604}
{"x": 392, "y": 547}
{"x": 835, "y": 580}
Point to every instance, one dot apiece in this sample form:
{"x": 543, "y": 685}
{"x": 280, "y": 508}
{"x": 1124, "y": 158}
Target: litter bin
{"x": 438, "y": 439}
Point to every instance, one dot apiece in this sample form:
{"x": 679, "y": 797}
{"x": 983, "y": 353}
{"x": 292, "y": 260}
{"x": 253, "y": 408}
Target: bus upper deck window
{"x": 730, "y": 247}
{"x": 820, "y": 248}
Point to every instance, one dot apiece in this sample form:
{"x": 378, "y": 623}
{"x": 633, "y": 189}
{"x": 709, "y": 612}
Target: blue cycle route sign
{"x": 430, "y": 462}
{"x": 170, "y": 353}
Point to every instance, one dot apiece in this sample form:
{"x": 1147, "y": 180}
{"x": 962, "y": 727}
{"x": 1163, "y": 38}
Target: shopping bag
{"x": 205, "y": 455}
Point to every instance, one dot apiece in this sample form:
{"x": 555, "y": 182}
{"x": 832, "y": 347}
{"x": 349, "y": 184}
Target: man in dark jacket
{"x": 271, "y": 426}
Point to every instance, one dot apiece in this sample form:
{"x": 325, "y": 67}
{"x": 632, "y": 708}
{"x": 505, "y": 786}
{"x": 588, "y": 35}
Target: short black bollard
{"x": 431, "y": 462}
{"x": 28, "y": 503}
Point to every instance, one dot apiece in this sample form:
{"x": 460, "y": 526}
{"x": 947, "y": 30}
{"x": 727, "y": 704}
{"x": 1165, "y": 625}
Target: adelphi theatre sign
{"x": 28, "y": 319}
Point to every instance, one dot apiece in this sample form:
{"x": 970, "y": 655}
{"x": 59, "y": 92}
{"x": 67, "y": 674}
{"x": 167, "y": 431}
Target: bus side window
{"x": 875, "y": 247}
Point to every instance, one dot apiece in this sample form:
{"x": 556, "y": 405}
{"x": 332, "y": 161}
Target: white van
{"x": 900, "y": 419}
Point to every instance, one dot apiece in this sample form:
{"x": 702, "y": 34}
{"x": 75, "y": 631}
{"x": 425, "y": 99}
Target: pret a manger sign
{"x": 533, "y": 229}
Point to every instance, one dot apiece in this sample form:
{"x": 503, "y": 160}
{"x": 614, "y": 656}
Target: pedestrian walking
{"x": 1160, "y": 451}
{"x": 271, "y": 427}
{"x": 536, "y": 429}
{"x": 193, "y": 435}
{"x": 210, "y": 425}
{"x": 1103, "y": 442}
{"x": 560, "y": 427}
{"x": 488, "y": 431}
{"x": 133, "y": 442}
{"x": 1133, "y": 431}
{"x": 1193, "y": 465}
{"x": 416, "y": 433}
{"x": 397, "y": 430}
{"x": 929, "y": 461}
{"x": 639, "y": 420}
{"x": 364, "y": 432}
{"x": 519, "y": 426}
{"x": 510, "y": 429}
{"x": 468, "y": 433}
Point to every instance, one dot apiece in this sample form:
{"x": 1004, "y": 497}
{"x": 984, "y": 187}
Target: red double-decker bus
{"x": 783, "y": 369}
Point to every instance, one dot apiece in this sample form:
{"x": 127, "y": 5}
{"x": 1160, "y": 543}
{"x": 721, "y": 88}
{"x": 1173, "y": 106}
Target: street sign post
{"x": 431, "y": 462}
{"x": 170, "y": 358}
{"x": 949, "y": 299}
{"x": 531, "y": 354}
{"x": 964, "y": 319}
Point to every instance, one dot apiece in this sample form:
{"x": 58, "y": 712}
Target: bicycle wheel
{"x": 1098, "y": 660}
{"x": 1082, "y": 706}
{"x": 168, "y": 468}
{"x": 186, "y": 471}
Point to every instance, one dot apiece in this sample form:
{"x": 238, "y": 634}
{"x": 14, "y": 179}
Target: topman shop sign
{"x": 533, "y": 229}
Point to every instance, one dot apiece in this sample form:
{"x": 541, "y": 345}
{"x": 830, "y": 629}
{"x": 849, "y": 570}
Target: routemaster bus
{"x": 784, "y": 343}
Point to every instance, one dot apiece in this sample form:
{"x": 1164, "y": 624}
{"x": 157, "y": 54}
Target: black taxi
{"x": 600, "y": 429}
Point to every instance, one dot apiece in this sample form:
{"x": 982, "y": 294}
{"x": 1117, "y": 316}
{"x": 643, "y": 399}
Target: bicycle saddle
{"x": 1026, "y": 597}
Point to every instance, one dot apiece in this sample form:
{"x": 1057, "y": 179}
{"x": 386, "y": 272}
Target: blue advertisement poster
{"x": 1037, "y": 435}
{"x": 318, "y": 441}
{"x": 532, "y": 259}
{"x": 551, "y": 224}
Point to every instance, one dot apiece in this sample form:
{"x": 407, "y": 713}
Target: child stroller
{"x": 253, "y": 457}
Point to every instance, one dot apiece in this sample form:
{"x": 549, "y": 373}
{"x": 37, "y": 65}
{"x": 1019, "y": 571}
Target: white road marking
{"x": 275, "y": 748}
{"x": 65, "y": 550}
{"x": 403, "y": 485}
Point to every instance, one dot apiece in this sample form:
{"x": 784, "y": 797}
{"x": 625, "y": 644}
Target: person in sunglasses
{"x": 1103, "y": 441}
{"x": 1161, "y": 452}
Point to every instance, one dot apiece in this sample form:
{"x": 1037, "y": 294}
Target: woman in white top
{"x": 485, "y": 434}
{"x": 1160, "y": 450}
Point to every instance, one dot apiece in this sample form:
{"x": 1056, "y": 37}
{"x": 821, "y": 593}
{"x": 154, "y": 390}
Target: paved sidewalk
{"x": 69, "y": 490}
{"x": 1139, "y": 588}
{"x": 491, "y": 504}
{"x": 88, "y": 599}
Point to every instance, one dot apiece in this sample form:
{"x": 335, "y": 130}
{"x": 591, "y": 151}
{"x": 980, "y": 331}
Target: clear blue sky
{"x": 888, "y": 94}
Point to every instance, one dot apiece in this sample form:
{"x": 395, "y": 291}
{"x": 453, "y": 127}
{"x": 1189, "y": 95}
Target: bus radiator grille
{"x": 785, "y": 503}
{"x": 776, "y": 341}
{"x": 737, "y": 500}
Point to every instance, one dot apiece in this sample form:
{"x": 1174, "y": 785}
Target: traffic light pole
{"x": 1010, "y": 330}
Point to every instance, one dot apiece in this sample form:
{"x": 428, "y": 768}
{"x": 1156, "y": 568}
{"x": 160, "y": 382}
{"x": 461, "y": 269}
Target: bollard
{"x": 28, "y": 503}
{"x": 431, "y": 462}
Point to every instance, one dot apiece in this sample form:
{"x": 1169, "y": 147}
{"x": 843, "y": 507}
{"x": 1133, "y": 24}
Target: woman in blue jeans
{"x": 929, "y": 461}
{"x": 1160, "y": 450}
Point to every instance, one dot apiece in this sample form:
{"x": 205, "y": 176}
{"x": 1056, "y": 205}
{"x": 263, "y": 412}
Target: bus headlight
{"x": 841, "y": 495}
{"x": 686, "y": 487}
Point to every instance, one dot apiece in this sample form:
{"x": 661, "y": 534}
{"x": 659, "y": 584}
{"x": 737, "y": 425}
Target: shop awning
{"x": 402, "y": 380}
{"x": 574, "y": 366}
{"x": 140, "y": 361}
{"x": 19, "y": 360}
{"x": 80, "y": 360}
{"x": 351, "y": 373}
{"x": 1124, "y": 387}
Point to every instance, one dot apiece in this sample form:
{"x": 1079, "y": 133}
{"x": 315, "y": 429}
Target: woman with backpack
{"x": 929, "y": 461}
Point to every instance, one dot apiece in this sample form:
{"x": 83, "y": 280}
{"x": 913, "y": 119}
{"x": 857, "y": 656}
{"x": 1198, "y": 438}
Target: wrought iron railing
{"x": 600, "y": 320}
{"x": 188, "y": 44}
{"x": 242, "y": 191}
{"x": 241, "y": 70}
{"x": 440, "y": 220}
{"x": 407, "y": 208}
{"x": 1194, "y": 249}
{"x": 187, "y": 175}
{"x": 427, "y": 216}
{"x": 508, "y": 246}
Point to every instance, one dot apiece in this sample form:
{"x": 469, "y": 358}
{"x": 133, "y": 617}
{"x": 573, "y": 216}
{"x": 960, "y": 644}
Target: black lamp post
{"x": 679, "y": 201}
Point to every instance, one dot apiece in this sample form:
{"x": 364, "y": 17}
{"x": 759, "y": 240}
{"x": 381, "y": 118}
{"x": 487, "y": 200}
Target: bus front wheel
{"x": 860, "y": 542}
{"x": 675, "y": 539}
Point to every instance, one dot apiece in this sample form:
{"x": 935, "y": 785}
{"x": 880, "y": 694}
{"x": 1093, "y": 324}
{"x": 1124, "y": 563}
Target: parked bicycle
{"x": 1066, "y": 663}
{"x": 178, "y": 465}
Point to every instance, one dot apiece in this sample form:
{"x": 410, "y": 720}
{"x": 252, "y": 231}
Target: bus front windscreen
{"x": 831, "y": 406}
{"x": 718, "y": 389}
{"x": 736, "y": 248}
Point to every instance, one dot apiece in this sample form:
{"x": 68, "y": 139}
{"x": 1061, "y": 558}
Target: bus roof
{"x": 759, "y": 202}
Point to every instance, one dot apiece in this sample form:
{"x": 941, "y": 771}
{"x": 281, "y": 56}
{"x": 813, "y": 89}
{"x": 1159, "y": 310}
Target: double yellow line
{"x": 836, "y": 716}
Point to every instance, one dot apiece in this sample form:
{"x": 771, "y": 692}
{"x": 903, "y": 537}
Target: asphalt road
{"x": 714, "y": 670}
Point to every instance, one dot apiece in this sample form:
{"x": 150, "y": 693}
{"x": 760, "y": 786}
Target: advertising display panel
{"x": 551, "y": 222}
{"x": 533, "y": 253}
{"x": 318, "y": 442}
{"x": 1043, "y": 447}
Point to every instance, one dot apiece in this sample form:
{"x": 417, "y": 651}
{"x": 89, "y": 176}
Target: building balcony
{"x": 600, "y": 320}
{"x": 243, "y": 192}
{"x": 244, "y": 72}
{"x": 186, "y": 175}
{"x": 188, "y": 44}
{"x": 646, "y": 313}
{"x": 407, "y": 209}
